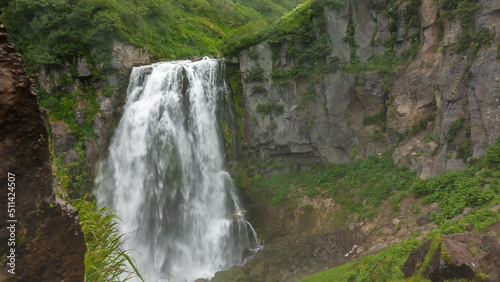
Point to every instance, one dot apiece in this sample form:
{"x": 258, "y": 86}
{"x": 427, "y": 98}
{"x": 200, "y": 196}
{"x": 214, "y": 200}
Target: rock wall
{"x": 45, "y": 242}
{"x": 98, "y": 84}
{"x": 425, "y": 95}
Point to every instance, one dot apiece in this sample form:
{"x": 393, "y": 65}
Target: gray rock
{"x": 63, "y": 138}
{"x": 82, "y": 67}
{"x": 364, "y": 29}
{"x": 467, "y": 211}
{"x": 336, "y": 27}
{"x": 127, "y": 56}
{"x": 425, "y": 218}
{"x": 452, "y": 32}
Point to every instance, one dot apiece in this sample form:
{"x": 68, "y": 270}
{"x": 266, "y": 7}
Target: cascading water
{"x": 165, "y": 176}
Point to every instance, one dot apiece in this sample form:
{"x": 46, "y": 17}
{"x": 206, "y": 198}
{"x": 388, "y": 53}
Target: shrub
{"x": 256, "y": 74}
{"x": 258, "y": 89}
{"x": 454, "y": 127}
{"x": 270, "y": 108}
{"x": 379, "y": 118}
{"x": 492, "y": 155}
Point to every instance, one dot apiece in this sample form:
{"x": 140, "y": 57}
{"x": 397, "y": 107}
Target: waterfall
{"x": 165, "y": 175}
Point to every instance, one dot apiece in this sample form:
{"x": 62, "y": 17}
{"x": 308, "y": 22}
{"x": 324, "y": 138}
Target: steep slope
{"x": 365, "y": 77}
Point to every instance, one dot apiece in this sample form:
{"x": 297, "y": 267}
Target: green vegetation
{"x": 456, "y": 190}
{"x": 105, "y": 259}
{"x": 256, "y": 74}
{"x": 353, "y": 185}
{"x": 379, "y": 119}
{"x": 365, "y": 184}
{"x": 269, "y": 108}
{"x": 464, "y": 149}
{"x": 258, "y": 89}
{"x": 384, "y": 266}
{"x": 48, "y": 31}
{"x": 454, "y": 127}
{"x": 388, "y": 264}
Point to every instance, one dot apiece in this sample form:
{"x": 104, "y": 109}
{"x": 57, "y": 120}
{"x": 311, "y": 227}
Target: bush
{"x": 256, "y": 74}
{"x": 258, "y": 89}
{"x": 270, "y": 108}
{"x": 492, "y": 155}
{"x": 380, "y": 119}
{"x": 454, "y": 127}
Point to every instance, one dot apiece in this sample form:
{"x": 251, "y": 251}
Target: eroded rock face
{"x": 49, "y": 244}
{"x": 427, "y": 94}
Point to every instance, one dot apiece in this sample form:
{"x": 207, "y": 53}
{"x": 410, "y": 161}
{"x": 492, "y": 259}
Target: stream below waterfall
{"x": 165, "y": 175}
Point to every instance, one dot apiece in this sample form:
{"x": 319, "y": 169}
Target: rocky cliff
{"x": 40, "y": 234}
{"x": 82, "y": 99}
{"x": 418, "y": 78}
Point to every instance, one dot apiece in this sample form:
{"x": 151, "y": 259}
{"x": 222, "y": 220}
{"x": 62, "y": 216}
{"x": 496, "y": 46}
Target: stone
{"x": 53, "y": 246}
{"x": 64, "y": 140}
{"x": 425, "y": 218}
{"x": 82, "y": 67}
{"x": 336, "y": 26}
{"x": 429, "y": 13}
{"x": 459, "y": 256}
{"x": 416, "y": 258}
{"x": 452, "y": 32}
{"x": 467, "y": 211}
{"x": 126, "y": 56}
{"x": 363, "y": 29}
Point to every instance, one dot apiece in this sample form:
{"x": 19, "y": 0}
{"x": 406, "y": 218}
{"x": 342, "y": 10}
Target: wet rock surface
{"x": 49, "y": 244}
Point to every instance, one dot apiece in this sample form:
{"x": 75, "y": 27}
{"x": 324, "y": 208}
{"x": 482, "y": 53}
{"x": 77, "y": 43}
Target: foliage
{"x": 379, "y": 119}
{"x": 464, "y": 149}
{"x": 367, "y": 181}
{"x": 384, "y": 266}
{"x": 47, "y": 31}
{"x": 256, "y": 74}
{"x": 105, "y": 259}
{"x": 269, "y": 108}
{"x": 376, "y": 136}
{"x": 456, "y": 190}
{"x": 454, "y": 127}
{"x": 411, "y": 13}
{"x": 388, "y": 264}
{"x": 431, "y": 137}
{"x": 492, "y": 156}
{"x": 233, "y": 77}
{"x": 258, "y": 89}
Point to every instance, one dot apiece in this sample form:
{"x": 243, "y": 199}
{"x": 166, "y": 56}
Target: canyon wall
{"x": 435, "y": 105}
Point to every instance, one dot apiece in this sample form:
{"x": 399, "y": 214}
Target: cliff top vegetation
{"x": 47, "y": 31}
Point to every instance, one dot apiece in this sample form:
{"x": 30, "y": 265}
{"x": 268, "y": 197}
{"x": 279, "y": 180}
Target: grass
{"x": 388, "y": 264}
{"x": 363, "y": 185}
{"x": 384, "y": 266}
{"x": 368, "y": 181}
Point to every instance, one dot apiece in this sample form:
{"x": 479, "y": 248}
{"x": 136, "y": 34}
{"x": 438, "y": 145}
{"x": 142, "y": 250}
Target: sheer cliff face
{"x": 48, "y": 241}
{"x": 426, "y": 95}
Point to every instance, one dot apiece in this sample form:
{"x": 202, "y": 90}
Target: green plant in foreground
{"x": 105, "y": 260}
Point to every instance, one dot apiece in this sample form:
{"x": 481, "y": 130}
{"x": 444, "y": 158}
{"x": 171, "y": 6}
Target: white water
{"x": 165, "y": 175}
